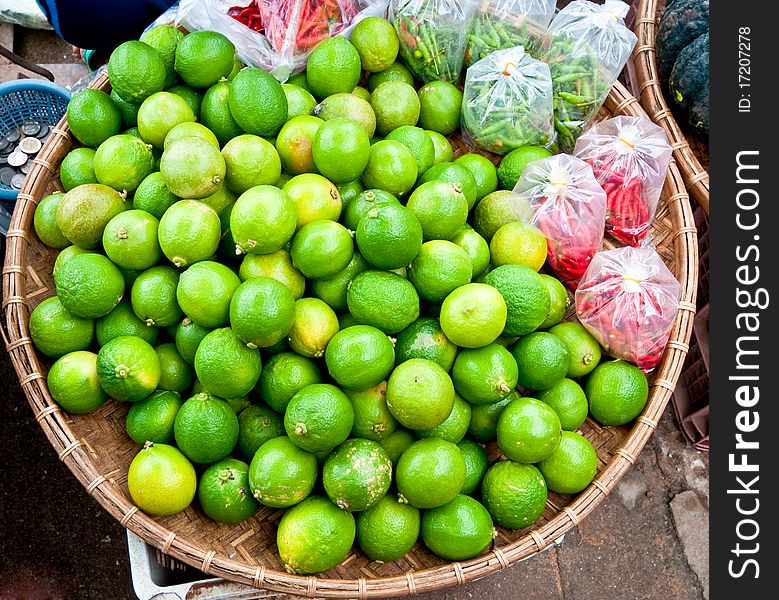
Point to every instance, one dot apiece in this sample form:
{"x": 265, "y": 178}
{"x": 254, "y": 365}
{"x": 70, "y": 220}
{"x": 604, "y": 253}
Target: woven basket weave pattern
{"x": 98, "y": 451}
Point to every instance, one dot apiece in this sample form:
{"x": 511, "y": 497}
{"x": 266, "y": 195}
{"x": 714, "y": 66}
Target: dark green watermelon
{"x": 689, "y": 82}
{"x": 682, "y": 22}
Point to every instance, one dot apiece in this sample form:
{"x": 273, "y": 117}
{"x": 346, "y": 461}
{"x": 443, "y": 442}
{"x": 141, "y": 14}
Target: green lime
{"x": 542, "y": 358}
{"x": 300, "y": 80}
{"x": 473, "y": 315}
{"x": 513, "y": 164}
{"x": 362, "y": 93}
{"x": 572, "y": 466}
{"x": 203, "y": 58}
{"x": 439, "y": 269}
{"x": 458, "y": 530}
{"x": 357, "y": 474}
{"x": 395, "y": 103}
{"x": 558, "y": 304}
{"x": 568, "y": 400}
{"x": 389, "y": 236}
{"x": 584, "y": 349}
{"x": 128, "y": 112}
{"x": 440, "y": 107}
{"x": 348, "y": 106}
{"x": 359, "y": 357}
{"x": 262, "y": 312}
{"x": 333, "y": 67}
{"x": 493, "y": 212}
{"x": 122, "y": 162}
{"x": 250, "y": 161}
{"x": 376, "y": 42}
{"x": 441, "y": 208}
{"x": 484, "y": 419}
{"x": 476, "y": 463}
{"x": 441, "y": 146}
{"x": 73, "y": 383}
{"x": 55, "y": 332}
{"x": 263, "y": 219}
{"x": 617, "y": 392}
{"x": 152, "y": 419}
{"x": 397, "y": 71}
{"x": 391, "y": 167}
{"x": 281, "y": 474}
{"x": 122, "y": 320}
{"x": 164, "y": 39}
{"x": 315, "y": 325}
{"x": 418, "y": 142}
{"x": 319, "y": 417}
{"x": 420, "y": 394}
{"x": 224, "y": 494}
{"x": 189, "y": 129}
{"x": 321, "y": 249}
{"x": 192, "y": 97}
{"x": 388, "y": 530}
{"x": 315, "y": 198}
{"x": 483, "y": 171}
{"x": 514, "y": 493}
{"x": 130, "y": 240}
{"x": 161, "y": 480}
{"x": 276, "y": 265}
{"x": 83, "y": 212}
{"x": 518, "y": 244}
{"x": 159, "y": 114}
{"x": 215, "y": 112}
{"x": 153, "y": 196}
{"x": 384, "y": 300}
{"x": 424, "y": 339}
{"x": 188, "y": 337}
{"x": 526, "y": 296}
{"x": 333, "y": 290}
{"x": 256, "y": 425}
{"x": 136, "y": 71}
{"x": 341, "y": 150}
{"x": 295, "y": 143}
{"x": 206, "y": 428}
{"x": 430, "y": 473}
{"x": 128, "y": 368}
{"x": 191, "y": 167}
{"x": 372, "y": 418}
{"x": 77, "y": 168}
{"x": 283, "y": 376}
{"x": 299, "y": 101}
{"x": 45, "y": 221}
{"x": 528, "y": 430}
{"x": 350, "y": 191}
{"x": 396, "y": 443}
{"x": 476, "y": 248}
{"x": 485, "y": 375}
{"x": 315, "y": 535}
{"x": 89, "y": 286}
{"x": 64, "y": 257}
{"x": 93, "y": 117}
{"x": 153, "y": 296}
{"x": 456, "y": 174}
{"x": 225, "y": 365}
{"x": 177, "y": 374}
{"x": 220, "y": 200}
{"x": 237, "y": 68}
{"x": 363, "y": 204}
{"x": 454, "y": 427}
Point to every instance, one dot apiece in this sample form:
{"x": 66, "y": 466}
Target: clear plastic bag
{"x": 628, "y": 300}
{"x": 559, "y": 195}
{"x": 500, "y": 24}
{"x": 432, "y": 35}
{"x": 275, "y": 35}
{"x": 589, "y": 47}
{"x": 507, "y": 102}
{"x": 629, "y": 157}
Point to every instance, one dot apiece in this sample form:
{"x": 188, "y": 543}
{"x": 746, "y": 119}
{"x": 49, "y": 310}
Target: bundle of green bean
{"x": 488, "y": 34}
{"x": 431, "y": 51}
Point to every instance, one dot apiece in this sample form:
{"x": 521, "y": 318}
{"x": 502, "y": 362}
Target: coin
{"x": 44, "y": 132}
{"x": 29, "y": 145}
{"x": 3, "y": 160}
{"x": 6, "y": 173}
{"x": 25, "y": 168}
{"x": 17, "y": 181}
{"x": 13, "y": 136}
{"x": 5, "y": 145}
{"x": 30, "y": 128}
{"x": 17, "y": 158}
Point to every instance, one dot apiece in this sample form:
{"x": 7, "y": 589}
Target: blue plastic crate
{"x": 29, "y": 99}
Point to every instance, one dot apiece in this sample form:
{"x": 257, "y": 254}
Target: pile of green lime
{"x": 325, "y": 322}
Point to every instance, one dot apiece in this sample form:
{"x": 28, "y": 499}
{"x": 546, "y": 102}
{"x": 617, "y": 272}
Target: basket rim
{"x": 75, "y": 454}
{"x": 650, "y": 95}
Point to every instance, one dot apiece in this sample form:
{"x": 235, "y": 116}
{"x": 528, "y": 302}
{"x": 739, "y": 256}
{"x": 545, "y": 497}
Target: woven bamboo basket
{"x": 650, "y": 94}
{"x": 98, "y": 451}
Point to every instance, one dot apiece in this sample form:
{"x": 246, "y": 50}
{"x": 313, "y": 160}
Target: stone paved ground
{"x": 647, "y": 541}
